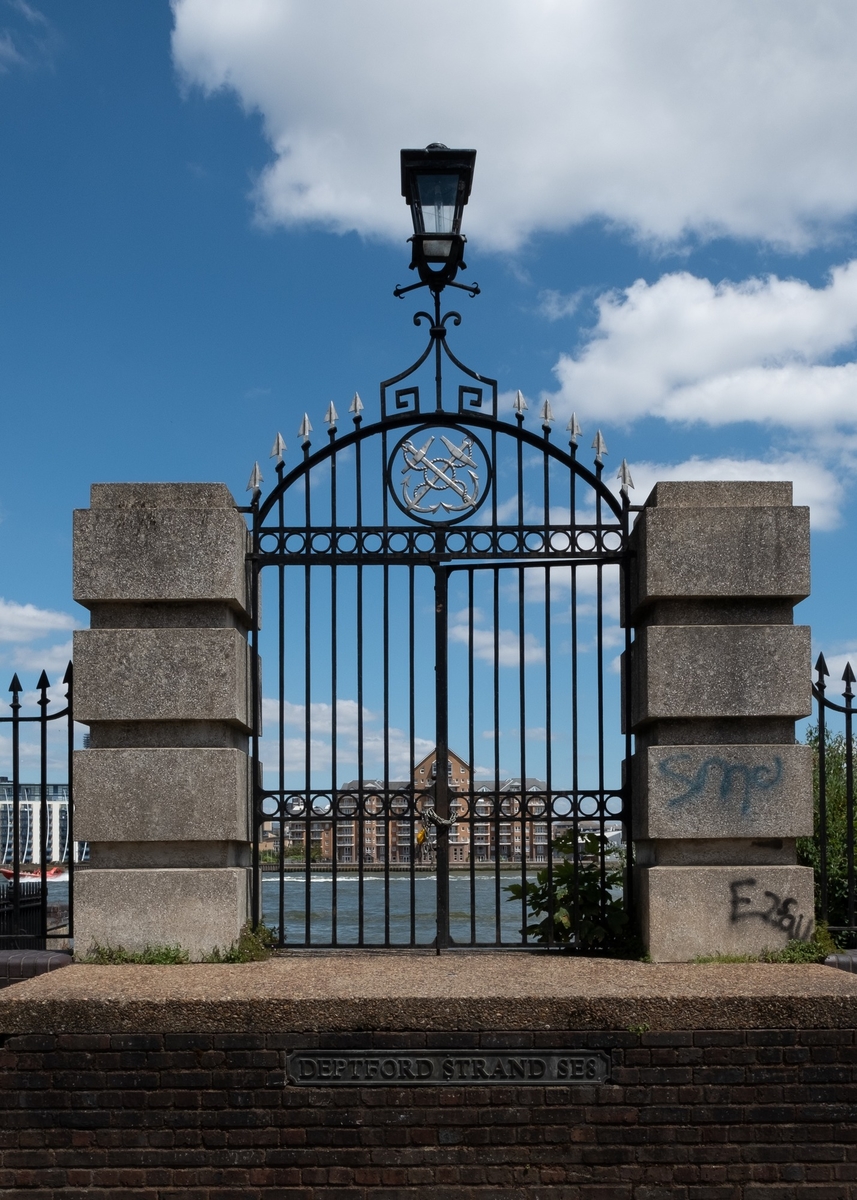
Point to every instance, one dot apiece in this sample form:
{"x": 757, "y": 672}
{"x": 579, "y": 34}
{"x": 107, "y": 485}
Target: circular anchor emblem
{"x": 439, "y": 476}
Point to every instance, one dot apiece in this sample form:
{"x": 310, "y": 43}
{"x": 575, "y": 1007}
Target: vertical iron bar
{"x": 385, "y": 815}
{"x": 849, "y": 799}
{"x": 441, "y": 795}
{"x": 307, "y": 714}
{"x": 471, "y": 756}
{"x": 255, "y": 765}
{"x": 626, "y": 682}
{"x": 495, "y": 815}
{"x": 438, "y": 360}
{"x": 69, "y": 682}
{"x": 281, "y": 746}
{"x": 522, "y": 718}
{"x": 357, "y": 825}
{"x": 822, "y": 787}
{"x": 548, "y": 753}
{"x": 575, "y": 758}
{"x": 43, "y": 686}
{"x": 334, "y": 710}
{"x": 412, "y": 759}
{"x": 16, "y": 804}
{"x": 360, "y": 815}
{"x": 599, "y": 651}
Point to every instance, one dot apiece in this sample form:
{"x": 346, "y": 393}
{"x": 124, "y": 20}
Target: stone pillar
{"x": 162, "y": 679}
{"x": 720, "y": 674}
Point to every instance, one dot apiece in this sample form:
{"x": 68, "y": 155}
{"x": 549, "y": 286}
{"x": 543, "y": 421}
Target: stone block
{"x": 161, "y": 795}
{"x": 162, "y": 675}
{"x": 195, "y": 909}
{"x": 709, "y": 671}
{"x": 691, "y": 911}
{"x": 757, "y": 791}
{"x": 160, "y": 542}
{"x": 707, "y": 553}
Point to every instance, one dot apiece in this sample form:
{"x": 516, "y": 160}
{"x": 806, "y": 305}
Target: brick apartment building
{"x": 482, "y": 839}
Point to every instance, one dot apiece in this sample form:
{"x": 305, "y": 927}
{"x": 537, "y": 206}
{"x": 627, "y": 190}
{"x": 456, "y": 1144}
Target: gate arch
{"x": 445, "y": 642}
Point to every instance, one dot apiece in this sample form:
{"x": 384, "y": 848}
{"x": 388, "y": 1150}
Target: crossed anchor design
{"x": 440, "y": 474}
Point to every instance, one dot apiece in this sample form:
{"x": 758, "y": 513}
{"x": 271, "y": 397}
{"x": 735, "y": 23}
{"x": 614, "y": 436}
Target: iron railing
{"x": 38, "y": 848}
{"x": 831, "y": 850}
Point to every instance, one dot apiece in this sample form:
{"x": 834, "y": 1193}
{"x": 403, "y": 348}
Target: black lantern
{"x": 436, "y": 184}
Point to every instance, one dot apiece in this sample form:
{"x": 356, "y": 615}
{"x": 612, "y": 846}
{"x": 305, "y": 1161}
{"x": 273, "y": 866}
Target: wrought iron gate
{"x": 445, "y": 702}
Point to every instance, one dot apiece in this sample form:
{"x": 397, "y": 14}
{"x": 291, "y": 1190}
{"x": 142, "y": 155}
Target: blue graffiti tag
{"x": 734, "y": 777}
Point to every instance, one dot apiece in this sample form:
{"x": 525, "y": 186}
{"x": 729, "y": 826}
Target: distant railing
{"x": 36, "y": 894}
{"x": 831, "y": 850}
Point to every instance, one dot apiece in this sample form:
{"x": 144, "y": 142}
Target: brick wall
{"x": 761, "y": 1114}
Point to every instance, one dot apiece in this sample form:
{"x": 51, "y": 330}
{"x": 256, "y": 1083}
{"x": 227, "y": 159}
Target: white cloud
{"x": 376, "y": 741}
{"x": 814, "y": 484}
{"x": 9, "y": 55}
{"x": 686, "y": 349}
{"x": 507, "y": 646}
{"x": 26, "y": 623}
{"x": 554, "y": 305}
{"x": 666, "y": 118}
{"x": 32, "y": 43}
{"x": 53, "y": 659}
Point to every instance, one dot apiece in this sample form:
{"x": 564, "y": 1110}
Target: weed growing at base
{"x": 816, "y": 950}
{"x": 253, "y": 945}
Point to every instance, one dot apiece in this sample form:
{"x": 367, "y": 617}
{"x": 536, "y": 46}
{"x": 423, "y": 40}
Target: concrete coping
{"x": 404, "y": 991}
{"x": 160, "y": 495}
{"x": 720, "y": 494}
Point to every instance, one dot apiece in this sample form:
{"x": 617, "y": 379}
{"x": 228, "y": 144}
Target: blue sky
{"x": 201, "y": 227}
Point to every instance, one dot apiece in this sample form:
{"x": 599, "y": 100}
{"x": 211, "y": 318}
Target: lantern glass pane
{"x": 437, "y": 196}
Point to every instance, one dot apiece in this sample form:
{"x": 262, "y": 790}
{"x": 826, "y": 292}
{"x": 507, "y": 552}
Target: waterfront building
{"x": 29, "y": 824}
{"x": 381, "y": 837}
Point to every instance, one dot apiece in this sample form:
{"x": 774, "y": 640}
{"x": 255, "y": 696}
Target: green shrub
{"x": 581, "y": 891}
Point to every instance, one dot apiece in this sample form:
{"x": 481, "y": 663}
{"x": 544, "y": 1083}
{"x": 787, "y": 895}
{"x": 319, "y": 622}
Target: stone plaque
{"x": 409, "y": 1068}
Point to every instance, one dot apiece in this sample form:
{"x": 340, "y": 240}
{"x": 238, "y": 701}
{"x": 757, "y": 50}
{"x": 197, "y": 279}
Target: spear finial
{"x": 278, "y": 448}
{"x": 624, "y": 475}
{"x": 520, "y": 405}
{"x": 599, "y": 446}
{"x": 331, "y": 416}
{"x": 254, "y": 483}
{"x": 305, "y": 429}
{"x": 547, "y": 412}
{"x": 821, "y": 666}
{"x": 574, "y": 430}
{"x": 356, "y": 405}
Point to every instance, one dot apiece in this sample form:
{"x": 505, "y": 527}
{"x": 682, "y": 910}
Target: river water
{"x": 401, "y": 927}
